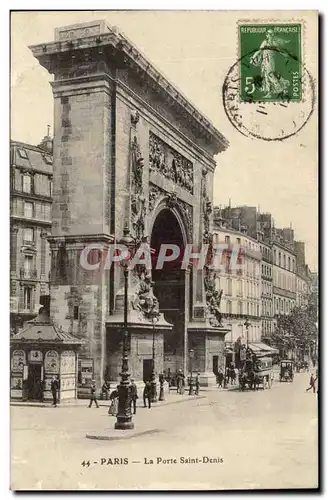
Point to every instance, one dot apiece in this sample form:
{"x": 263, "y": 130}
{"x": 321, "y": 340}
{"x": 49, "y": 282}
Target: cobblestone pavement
{"x": 262, "y": 439}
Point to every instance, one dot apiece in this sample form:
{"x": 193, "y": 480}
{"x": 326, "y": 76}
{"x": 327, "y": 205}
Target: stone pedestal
{"x": 142, "y": 336}
{"x": 207, "y": 343}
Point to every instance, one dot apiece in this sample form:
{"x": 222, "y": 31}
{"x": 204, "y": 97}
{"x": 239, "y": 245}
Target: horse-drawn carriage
{"x": 256, "y": 373}
{"x": 286, "y": 370}
{"x": 302, "y": 365}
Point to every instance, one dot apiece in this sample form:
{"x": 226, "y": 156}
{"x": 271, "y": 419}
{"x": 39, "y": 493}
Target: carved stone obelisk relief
{"x": 129, "y": 151}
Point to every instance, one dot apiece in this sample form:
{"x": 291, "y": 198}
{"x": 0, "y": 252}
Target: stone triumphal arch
{"x": 129, "y": 150}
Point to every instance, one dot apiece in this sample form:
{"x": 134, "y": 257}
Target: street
{"x": 224, "y": 440}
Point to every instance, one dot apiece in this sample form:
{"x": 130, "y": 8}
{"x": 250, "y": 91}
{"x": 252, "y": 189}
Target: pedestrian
{"x": 113, "y": 407}
{"x": 191, "y": 385}
{"x": 134, "y": 395}
{"x": 180, "y": 383}
{"x": 197, "y": 384}
{"x": 236, "y": 374}
{"x": 93, "y": 396}
{"x": 220, "y": 377}
{"x": 312, "y": 383}
{"x": 54, "y": 389}
{"x": 147, "y": 394}
{"x": 105, "y": 390}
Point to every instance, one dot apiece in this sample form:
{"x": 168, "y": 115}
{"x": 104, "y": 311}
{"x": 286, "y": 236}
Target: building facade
{"x": 31, "y": 173}
{"x": 266, "y": 288}
{"x": 303, "y": 281}
{"x": 151, "y": 154}
{"x": 241, "y": 286}
{"x": 285, "y": 277}
{"x": 284, "y": 272}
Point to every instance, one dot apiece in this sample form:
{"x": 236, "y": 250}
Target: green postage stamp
{"x": 270, "y": 62}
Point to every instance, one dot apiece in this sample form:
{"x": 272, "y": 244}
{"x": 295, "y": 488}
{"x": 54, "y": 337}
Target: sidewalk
{"x": 171, "y": 398}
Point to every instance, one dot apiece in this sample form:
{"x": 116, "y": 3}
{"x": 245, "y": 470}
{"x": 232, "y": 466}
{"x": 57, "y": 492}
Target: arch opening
{"x": 169, "y": 288}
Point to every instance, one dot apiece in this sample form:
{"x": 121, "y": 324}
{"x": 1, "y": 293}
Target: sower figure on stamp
{"x": 93, "y": 397}
{"x": 273, "y": 84}
{"x": 134, "y": 395}
{"x": 147, "y": 394}
{"x": 54, "y": 390}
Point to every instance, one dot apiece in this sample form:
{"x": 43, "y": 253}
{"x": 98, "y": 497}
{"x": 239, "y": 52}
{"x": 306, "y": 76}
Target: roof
{"x": 101, "y": 36}
{"x": 42, "y": 329}
{"x": 31, "y": 157}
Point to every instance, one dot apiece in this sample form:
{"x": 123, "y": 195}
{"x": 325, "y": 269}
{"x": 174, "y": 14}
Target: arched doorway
{"x": 169, "y": 288}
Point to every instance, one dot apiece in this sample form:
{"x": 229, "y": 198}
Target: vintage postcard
{"x": 163, "y": 250}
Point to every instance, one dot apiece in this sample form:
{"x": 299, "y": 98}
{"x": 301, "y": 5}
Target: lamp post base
{"x": 124, "y": 424}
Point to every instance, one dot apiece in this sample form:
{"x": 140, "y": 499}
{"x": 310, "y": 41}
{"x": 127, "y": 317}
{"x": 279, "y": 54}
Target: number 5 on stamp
{"x": 270, "y": 62}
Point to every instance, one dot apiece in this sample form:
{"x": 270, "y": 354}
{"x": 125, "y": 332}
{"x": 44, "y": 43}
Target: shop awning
{"x": 259, "y": 347}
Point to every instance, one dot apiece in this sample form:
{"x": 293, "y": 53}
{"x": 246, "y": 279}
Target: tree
{"x": 298, "y": 330}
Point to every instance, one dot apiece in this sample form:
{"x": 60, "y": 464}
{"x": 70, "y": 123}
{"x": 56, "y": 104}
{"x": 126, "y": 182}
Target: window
{"x": 50, "y": 187}
{"x": 28, "y": 234}
{"x": 239, "y": 288}
{"x": 76, "y": 312}
{"x": 227, "y": 266}
{"x": 27, "y": 298}
{"x": 227, "y": 239}
{"x": 22, "y": 153}
{"x": 240, "y": 307}
{"x": 238, "y": 241}
{"x": 279, "y": 259}
{"x": 27, "y": 183}
{"x": 229, "y": 307}
{"x": 43, "y": 211}
{"x": 41, "y": 184}
{"x": 288, "y": 263}
{"x": 28, "y": 263}
{"x": 229, "y": 286}
{"x": 47, "y": 159}
{"x": 28, "y": 209}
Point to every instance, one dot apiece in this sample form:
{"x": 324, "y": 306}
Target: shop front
{"x": 40, "y": 352}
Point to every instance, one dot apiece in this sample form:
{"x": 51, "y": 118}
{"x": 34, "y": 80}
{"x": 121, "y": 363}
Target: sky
{"x": 195, "y": 51}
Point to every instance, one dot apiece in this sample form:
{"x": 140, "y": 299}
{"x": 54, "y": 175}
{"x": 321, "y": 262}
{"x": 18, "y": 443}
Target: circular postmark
{"x": 269, "y": 105}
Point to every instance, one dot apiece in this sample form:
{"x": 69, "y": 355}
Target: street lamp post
{"x": 191, "y": 356}
{"x": 153, "y": 376}
{"x": 124, "y": 415}
{"x": 247, "y": 325}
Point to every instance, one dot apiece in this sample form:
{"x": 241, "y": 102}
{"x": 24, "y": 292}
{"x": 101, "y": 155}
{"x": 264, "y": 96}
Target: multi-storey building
{"x": 30, "y": 224}
{"x": 284, "y": 271}
{"x": 303, "y": 284}
{"x": 241, "y": 297}
{"x": 266, "y": 287}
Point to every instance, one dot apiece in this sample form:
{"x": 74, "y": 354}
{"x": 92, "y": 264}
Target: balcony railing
{"x": 28, "y": 274}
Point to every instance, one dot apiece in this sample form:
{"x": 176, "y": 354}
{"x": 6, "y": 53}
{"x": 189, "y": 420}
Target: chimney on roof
{"x": 47, "y": 142}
